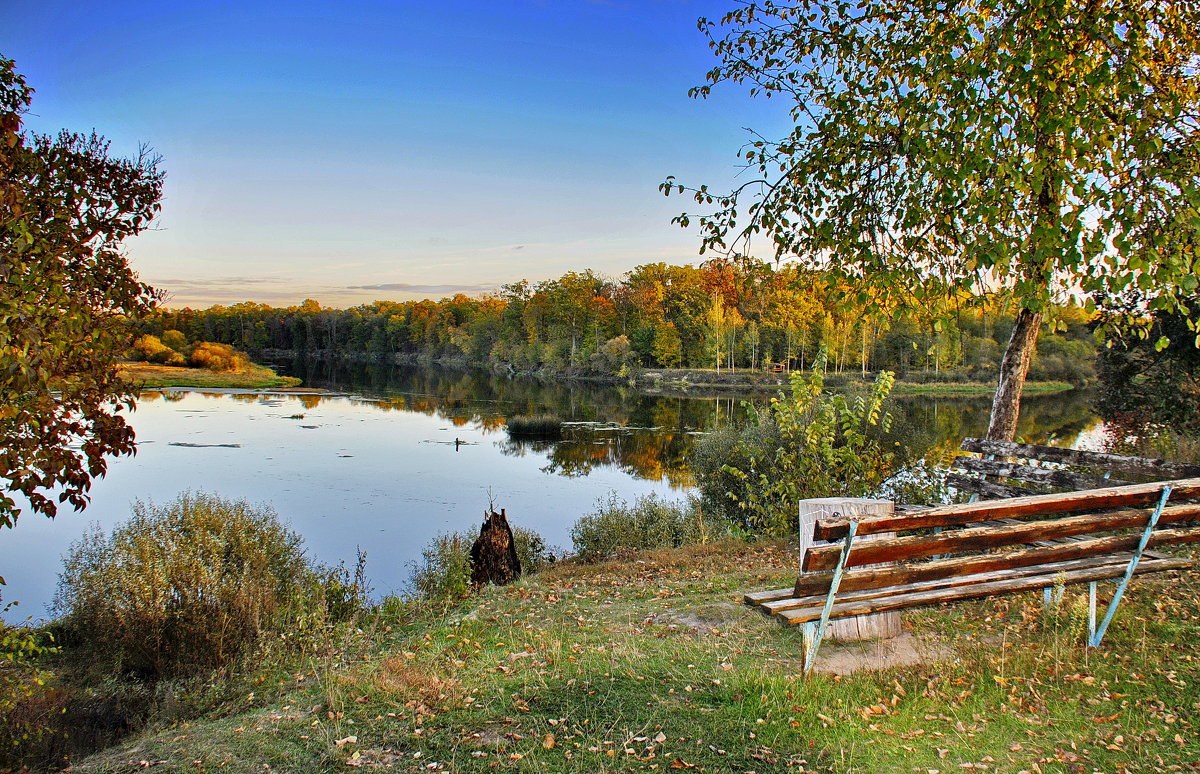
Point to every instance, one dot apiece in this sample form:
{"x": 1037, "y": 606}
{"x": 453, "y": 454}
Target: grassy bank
{"x": 651, "y": 664}
{"x": 973, "y": 390}
{"x": 763, "y": 382}
{"x": 150, "y": 376}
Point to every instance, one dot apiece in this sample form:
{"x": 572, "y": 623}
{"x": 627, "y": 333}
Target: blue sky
{"x": 354, "y": 151}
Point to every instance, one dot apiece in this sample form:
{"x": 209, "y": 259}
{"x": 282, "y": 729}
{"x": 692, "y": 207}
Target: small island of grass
{"x": 173, "y": 361}
{"x": 254, "y": 377}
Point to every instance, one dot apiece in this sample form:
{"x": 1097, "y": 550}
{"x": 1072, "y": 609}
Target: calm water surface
{"x": 378, "y": 469}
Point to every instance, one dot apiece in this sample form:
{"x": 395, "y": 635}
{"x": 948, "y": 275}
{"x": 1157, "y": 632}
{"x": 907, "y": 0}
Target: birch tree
{"x": 1027, "y": 148}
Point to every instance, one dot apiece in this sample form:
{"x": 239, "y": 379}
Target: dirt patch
{"x": 843, "y": 658}
{"x": 706, "y": 619}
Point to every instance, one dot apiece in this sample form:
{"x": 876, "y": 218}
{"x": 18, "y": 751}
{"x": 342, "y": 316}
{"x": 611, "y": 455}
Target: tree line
{"x": 721, "y": 314}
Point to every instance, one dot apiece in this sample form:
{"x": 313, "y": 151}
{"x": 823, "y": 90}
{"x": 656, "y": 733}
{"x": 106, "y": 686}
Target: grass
{"x": 650, "y": 664}
{"x": 973, "y": 389}
{"x": 152, "y": 376}
{"x": 540, "y": 426}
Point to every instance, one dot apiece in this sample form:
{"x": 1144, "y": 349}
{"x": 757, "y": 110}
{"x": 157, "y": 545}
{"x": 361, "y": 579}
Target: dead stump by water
{"x": 494, "y": 553}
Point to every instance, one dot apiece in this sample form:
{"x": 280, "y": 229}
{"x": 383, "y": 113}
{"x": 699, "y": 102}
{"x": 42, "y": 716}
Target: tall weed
{"x": 444, "y": 570}
{"x": 808, "y": 444}
{"x": 648, "y": 523}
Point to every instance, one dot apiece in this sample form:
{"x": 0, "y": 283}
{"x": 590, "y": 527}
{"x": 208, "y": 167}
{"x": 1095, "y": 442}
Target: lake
{"x": 376, "y": 467}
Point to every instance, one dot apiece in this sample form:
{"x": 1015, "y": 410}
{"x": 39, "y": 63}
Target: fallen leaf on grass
{"x": 347, "y": 740}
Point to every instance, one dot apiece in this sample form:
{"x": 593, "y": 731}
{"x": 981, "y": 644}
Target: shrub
{"x": 444, "y": 571}
{"x": 181, "y": 588}
{"x": 22, "y": 692}
{"x": 218, "y": 357}
{"x": 649, "y": 523}
{"x": 808, "y": 444}
{"x": 175, "y": 340}
{"x": 152, "y": 350}
{"x": 532, "y": 551}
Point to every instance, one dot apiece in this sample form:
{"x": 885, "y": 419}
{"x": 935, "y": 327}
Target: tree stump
{"x": 494, "y": 553}
{"x": 860, "y": 627}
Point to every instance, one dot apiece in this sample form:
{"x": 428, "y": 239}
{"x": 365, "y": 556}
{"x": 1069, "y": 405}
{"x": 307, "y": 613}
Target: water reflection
{"x": 650, "y": 436}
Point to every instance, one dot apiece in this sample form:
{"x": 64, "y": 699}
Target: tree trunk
{"x": 494, "y": 553}
{"x": 1006, "y": 406}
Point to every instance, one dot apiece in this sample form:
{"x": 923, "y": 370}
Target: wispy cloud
{"x": 216, "y": 282}
{"x": 406, "y": 287}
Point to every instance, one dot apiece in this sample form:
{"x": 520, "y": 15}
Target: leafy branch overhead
{"x": 1032, "y": 148}
{"x": 66, "y": 294}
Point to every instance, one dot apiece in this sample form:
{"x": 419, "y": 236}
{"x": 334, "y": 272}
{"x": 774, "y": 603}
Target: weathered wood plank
{"x": 884, "y": 577}
{"x": 1065, "y": 479}
{"x": 992, "y": 536}
{"x": 1116, "y": 463}
{"x": 937, "y": 596}
{"x": 1033, "y": 505}
{"x": 985, "y": 488}
{"x": 758, "y": 597}
{"x": 1049, "y": 568}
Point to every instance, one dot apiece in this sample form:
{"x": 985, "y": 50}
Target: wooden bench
{"x": 980, "y": 549}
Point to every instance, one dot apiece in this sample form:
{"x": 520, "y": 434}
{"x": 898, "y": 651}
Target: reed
{"x": 539, "y": 426}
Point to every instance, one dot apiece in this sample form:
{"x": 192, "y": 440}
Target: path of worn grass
{"x": 649, "y": 664}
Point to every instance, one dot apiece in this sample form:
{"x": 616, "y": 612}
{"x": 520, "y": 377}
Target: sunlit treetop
{"x": 1031, "y": 147}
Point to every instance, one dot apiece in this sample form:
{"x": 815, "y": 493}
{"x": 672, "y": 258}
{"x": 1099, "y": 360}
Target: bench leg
{"x": 808, "y": 635}
{"x": 810, "y": 652}
{"x": 1098, "y": 635}
{"x": 1091, "y": 610}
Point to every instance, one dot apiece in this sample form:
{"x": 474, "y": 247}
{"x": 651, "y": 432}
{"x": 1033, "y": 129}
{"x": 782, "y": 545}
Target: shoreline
{"x": 691, "y": 382}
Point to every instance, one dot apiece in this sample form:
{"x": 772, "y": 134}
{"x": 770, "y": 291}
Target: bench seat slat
{"x": 1057, "y": 503}
{"x": 1005, "y": 586}
{"x": 987, "y": 537}
{"x": 1053, "y": 477}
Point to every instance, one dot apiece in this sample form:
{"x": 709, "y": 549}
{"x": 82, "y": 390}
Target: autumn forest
{"x": 719, "y": 315}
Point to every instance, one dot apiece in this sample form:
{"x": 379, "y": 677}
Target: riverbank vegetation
{"x": 174, "y": 361}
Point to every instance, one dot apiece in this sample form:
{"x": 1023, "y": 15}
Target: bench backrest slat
{"x": 982, "y": 537}
{"x": 986, "y": 510}
{"x": 886, "y": 576}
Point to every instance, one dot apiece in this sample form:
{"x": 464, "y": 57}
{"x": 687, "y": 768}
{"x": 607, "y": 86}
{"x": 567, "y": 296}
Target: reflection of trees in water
{"x": 648, "y": 436}
{"x": 655, "y": 453}
{"x": 935, "y": 428}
